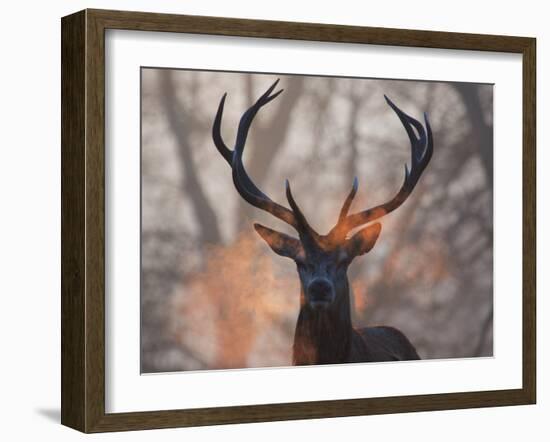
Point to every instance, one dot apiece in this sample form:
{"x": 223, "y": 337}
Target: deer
{"x": 324, "y": 333}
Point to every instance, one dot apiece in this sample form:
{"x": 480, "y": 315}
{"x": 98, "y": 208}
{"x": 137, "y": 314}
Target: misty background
{"x": 213, "y": 295}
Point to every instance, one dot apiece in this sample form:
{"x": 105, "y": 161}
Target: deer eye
{"x": 342, "y": 259}
{"x": 304, "y": 266}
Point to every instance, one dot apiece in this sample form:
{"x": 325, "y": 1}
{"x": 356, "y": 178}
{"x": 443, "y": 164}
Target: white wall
{"x": 30, "y": 231}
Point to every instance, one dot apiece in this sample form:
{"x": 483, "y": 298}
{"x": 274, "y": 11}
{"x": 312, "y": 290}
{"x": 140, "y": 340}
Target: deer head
{"x": 322, "y": 260}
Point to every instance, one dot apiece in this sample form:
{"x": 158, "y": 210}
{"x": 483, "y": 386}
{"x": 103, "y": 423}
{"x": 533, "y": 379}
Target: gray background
{"x": 215, "y": 296}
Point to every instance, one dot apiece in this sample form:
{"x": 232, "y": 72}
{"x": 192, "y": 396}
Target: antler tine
{"x": 306, "y": 231}
{"x": 244, "y": 185}
{"x": 256, "y": 197}
{"x": 244, "y": 124}
{"x": 225, "y": 151}
{"x": 421, "y": 148}
{"x": 347, "y": 203}
{"x": 217, "y": 134}
{"x": 248, "y": 116}
{"x": 421, "y": 154}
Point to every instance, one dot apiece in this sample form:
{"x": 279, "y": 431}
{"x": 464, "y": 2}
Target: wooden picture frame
{"x": 83, "y": 220}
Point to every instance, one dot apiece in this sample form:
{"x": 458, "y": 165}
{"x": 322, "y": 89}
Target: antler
{"x": 244, "y": 185}
{"x": 421, "y": 153}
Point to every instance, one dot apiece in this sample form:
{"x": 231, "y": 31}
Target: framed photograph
{"x": 270, "y": 220}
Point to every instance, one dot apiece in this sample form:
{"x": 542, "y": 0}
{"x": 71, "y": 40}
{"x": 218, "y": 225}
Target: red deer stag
{"x": 324, "y": 333}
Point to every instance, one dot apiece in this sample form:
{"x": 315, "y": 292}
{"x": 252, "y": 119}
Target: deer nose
{"x": 320, "y": 292}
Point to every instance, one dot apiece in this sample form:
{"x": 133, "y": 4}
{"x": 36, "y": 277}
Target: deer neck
{"x": 323, "y": 336}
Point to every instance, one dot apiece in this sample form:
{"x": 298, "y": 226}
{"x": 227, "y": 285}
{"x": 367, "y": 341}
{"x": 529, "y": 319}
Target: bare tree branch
{"x": 176, "y": 115}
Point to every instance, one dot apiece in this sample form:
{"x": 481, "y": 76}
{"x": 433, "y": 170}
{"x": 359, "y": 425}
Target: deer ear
{"x": 363, "y": 241}
{"x": 280, "y": 243}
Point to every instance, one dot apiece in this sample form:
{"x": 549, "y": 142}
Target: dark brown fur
{"x": 328, "y": 337}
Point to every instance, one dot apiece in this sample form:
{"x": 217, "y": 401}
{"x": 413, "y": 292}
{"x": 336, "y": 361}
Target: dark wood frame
{"x": 83, "y": 217}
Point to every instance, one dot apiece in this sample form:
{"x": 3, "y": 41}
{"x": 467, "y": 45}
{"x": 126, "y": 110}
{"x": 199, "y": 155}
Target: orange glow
{"x": 239, "y": 294}
{"x": 360, "y": 295}
{"x": 241, "y": 308}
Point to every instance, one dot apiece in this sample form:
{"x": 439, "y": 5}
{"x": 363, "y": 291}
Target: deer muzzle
{"x": 320, "y": 293}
